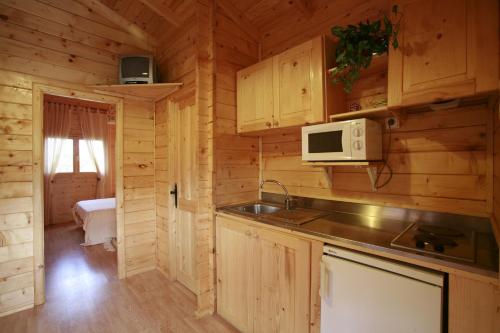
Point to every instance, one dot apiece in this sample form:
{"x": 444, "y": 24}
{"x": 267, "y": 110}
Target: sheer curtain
{"x": 57, "y": 125}
{"x": 94, "y": 125}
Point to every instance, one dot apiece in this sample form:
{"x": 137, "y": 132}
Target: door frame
{"x": 39, "y": 90}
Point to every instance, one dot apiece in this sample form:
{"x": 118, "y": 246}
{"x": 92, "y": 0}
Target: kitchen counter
{"x": 373, "y": 233}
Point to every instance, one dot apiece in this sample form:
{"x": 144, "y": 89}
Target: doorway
{"x": 81, "y": 163}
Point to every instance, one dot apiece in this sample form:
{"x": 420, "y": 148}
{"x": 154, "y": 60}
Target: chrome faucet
{"x": 288, "y": 201}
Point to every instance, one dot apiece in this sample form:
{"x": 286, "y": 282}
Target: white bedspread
{"x": 99, "y": 219}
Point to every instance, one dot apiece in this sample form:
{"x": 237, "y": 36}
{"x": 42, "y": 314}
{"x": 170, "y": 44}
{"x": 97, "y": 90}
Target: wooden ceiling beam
{"x": 237, "y": 17}
{"x": 139, "y": 37}
{"x": 163, "y": 10}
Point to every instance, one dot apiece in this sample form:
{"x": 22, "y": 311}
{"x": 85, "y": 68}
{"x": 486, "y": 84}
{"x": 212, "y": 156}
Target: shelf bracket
{"x": 328, "y": 170}
{"x": 372, "y": 174}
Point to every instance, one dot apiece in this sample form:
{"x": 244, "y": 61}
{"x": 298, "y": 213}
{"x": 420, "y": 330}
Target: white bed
{"x": 98, "y": 218}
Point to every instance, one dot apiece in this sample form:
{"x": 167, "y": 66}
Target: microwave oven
{"x": 350, "y": 140}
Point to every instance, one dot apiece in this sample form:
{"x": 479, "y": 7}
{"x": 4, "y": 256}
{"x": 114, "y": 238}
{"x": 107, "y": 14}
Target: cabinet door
{"x": 255, "y": 97}
{"x": 298, "y": 98}
{"x": 446, "y": 51}
{"x": 282, "y": 283}
{"x": 474, "y": 306}
{"x": 235, "y": 255}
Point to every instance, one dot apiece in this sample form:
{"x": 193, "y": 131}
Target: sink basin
{"x": 259, "y": 209}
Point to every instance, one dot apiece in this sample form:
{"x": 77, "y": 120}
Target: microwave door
{"x": 329, "y": 145}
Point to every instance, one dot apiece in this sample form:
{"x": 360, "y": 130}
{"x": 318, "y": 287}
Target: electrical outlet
{"x": 391, "y": 123}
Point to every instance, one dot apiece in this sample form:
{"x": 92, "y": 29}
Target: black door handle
{"x": 174, "y": 192}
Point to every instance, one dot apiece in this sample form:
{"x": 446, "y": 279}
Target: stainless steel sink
{"x": 258, "y": 209}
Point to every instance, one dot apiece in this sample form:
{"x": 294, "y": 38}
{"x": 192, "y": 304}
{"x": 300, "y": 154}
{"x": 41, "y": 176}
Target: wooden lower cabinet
{"x": 263, "y": 278}
{"x": 474, "y": 306}
{"x": 235, "y": 266}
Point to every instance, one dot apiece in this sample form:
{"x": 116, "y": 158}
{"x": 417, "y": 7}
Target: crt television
{"x": 137, "y": 69}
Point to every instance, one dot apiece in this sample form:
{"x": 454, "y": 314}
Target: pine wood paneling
{"x": 439, "y": 161}
{"x": 43, "y": 41}
{"x": 236, "y": 156}
{"x": 139, "y": 205}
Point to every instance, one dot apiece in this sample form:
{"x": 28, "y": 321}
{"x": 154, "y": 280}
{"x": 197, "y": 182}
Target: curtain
{"x": 94, "y": 125}
{"x": 57, "y": 125}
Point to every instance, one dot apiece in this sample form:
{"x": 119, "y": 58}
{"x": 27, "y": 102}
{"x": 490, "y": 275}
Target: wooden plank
{"x": 18, "y": 299}
{"x": 133, "y": 36}
{"x": 15, "y": 111}
{"x": 163, "y": 10}
{"x": 16, "y": 190}
{"x": 14, "y": 267}
{"x": 239, "y": 19}
{"x": 16, "y": 173}
{"x": 16, "y": 251}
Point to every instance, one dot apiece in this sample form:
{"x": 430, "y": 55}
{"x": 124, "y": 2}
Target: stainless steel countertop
{"x": 376, "y": 231}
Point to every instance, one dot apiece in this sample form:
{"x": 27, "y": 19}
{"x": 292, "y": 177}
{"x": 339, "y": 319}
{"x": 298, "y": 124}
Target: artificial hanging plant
{"x": 357, "y": 44}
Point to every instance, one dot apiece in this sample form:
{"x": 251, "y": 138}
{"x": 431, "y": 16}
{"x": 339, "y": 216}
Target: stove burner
{"x": 438, "y": 231}
{"x": 438, "y": 243}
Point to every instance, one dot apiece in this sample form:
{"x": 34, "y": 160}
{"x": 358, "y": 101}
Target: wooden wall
{"x": 185, "y": 55}
{"x": 205, "y": 230}
{"x": 176, "y": 56}
{"x": 162, "y": 187}
{"x": 16, "y": 190}
{"x": 439, "y": 161}
{"x": 496, "y": 170}
{"x": 439, "y": 158}
{"x": 42, "y": 41}
{"x": 293, "y": 26}
{"x": 62, "y": 40}
{"x": 139, "y": 187}
{"x": 236, "y": 156}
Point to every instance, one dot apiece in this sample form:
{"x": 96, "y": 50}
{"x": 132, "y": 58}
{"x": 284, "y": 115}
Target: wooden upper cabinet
{"x": 448, "y": 49}
{"x": 235, "y": 259}
{"x": 255, "y": 101}
{"x": 282, "y": 276}
{"x": 298, "y": 85}
{"x": 285, "y": 90}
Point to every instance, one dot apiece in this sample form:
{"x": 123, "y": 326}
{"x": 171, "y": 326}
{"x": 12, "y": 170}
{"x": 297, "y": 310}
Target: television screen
{"x": 135, "y": 67}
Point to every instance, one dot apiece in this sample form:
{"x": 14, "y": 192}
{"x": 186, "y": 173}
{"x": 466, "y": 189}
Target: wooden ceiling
{"x": 145, "y": 14}
{"x": 272, "y": 23}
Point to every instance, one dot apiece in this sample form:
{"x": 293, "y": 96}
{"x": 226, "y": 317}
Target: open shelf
{"x": 371, "y": 168}
{"x": 153, "y": 91}
{"x": 379, "y": 64}
{"x": 346, "y": 163}
{"x": 382, "y": 111}
{"x": 369, "y": 94}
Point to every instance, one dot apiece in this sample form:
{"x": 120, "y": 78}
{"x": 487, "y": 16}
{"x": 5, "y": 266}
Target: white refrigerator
{"x": 362, "y": 293}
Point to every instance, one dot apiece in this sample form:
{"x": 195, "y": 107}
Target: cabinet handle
{"x": 304, "y": 91}
{"x": 324, "y": 288}
{"x": 268, "y": 124}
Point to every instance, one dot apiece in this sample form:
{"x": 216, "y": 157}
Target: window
{"x": 65, "y": 163}
{"x": 85, "y": 157}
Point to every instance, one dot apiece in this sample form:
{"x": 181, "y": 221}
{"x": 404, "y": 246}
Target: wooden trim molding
{"x": 139, "y": 37}
{"x": 39, "y": 90}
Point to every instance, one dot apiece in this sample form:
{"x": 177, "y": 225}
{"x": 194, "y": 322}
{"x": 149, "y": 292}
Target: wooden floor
{"x": 85, "y": 295}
